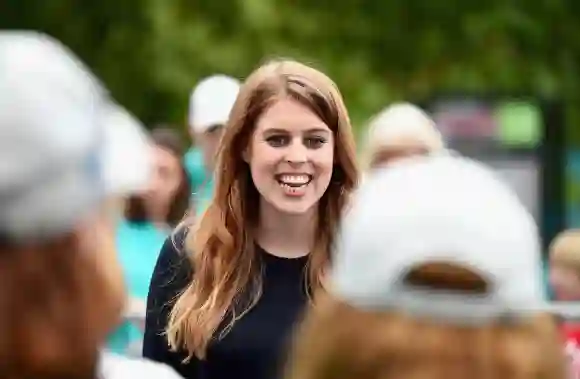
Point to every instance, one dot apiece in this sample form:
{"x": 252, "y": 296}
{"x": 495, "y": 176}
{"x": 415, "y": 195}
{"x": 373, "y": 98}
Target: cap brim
{"x": 203, "y": 125}
{"x": 127, "y": 159}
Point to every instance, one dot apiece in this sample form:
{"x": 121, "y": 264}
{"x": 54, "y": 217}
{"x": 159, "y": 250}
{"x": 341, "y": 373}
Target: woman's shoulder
{"x": 173, "y": 269}
{"x": 174, "y": 248}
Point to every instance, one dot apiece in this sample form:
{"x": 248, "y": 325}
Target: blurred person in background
{"x": 436, "y": 276}
{"x": 564, "y": 272}
{"x": 209, "y": 108}
{"x": 68, "y": 157}
{"x": 226, "y": 293}
{"x": 564, "y": 276}
{"x": 149, "y": 219}
{"x": 401, "y": 130}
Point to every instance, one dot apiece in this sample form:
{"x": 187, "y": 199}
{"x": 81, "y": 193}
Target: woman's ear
{"x": 246, "y": 154}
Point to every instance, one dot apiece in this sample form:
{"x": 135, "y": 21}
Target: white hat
{"x": 403, "y": 123}
{"x": 433, "y": 209}
{"x": 64, "y": 146}
{"x": 211, "y": 102}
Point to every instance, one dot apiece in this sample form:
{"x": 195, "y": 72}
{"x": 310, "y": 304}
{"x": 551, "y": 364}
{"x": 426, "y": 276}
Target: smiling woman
{"x": 291, "y": 156}
{"x": 242, "y": 277}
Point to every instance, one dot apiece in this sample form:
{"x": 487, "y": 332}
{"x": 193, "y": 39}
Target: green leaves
{"x": 152, "y": 52}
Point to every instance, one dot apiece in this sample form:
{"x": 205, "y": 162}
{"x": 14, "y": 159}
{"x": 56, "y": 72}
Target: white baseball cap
{"x": 211, "y": 102}
{"x": 64, "y": 145}
{"x": 441, "y": 208}
{"x": 403, "y": 123}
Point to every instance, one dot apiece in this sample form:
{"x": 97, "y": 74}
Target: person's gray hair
{"x": 401, "y": 128}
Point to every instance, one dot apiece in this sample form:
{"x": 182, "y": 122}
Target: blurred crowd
{"x": 57, "y": 194}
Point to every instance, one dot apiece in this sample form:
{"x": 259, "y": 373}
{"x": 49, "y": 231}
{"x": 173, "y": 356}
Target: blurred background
{"x": 504, "y": 74}
{"x": 500, "y": 78}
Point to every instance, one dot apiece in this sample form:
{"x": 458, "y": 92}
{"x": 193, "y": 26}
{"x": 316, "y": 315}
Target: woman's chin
{"x": 293, "y": 206}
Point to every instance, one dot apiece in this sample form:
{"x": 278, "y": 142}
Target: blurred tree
{"x": 151, "y": 52}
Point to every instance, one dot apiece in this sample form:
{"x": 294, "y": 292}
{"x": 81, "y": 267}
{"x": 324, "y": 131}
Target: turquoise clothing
{"x": 138, "y": 246}
{"x": 202, "y": 184}
{"x": 546, "y": 272}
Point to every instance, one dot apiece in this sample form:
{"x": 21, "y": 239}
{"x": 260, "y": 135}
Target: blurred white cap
{"x": 64, "y": 145}
{"x": 434, "y": 209}
{"x": 126, "y": 160}
{"x": 211, "y": 102}
{"x": 403, "y": 125}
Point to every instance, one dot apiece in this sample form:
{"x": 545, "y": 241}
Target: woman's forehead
{"x": 290, "y": 116}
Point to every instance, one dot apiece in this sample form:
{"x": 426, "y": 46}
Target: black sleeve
{"x": 171, "y": 275}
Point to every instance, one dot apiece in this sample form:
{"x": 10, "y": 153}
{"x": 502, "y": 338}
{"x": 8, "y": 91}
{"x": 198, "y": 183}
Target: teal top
{"x": 202, "y": 184}
{"x": 138, "y": 246}
{"x": 546, "y": 272}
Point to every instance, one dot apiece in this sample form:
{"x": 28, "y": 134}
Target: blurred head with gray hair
{"x": 401, "y": 130}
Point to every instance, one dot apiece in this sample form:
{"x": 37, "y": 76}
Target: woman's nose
{"x": 296, "y": 153}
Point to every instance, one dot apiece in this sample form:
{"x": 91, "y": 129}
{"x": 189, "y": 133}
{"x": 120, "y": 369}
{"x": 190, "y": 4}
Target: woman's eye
{"x": 277, "y": 141}
{"x": 314, "y": 142}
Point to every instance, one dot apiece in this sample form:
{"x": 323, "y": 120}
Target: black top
{"x": 257, "y": 344}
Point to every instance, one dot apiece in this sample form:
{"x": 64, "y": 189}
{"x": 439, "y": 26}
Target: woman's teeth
{"x": 294, "y": 180}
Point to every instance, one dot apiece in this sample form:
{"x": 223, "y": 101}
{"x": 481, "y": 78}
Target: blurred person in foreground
{"x": 210, "y": 105}
{"x": 436, "y": 275}
{"x": 149, "y": 219}
{"x": 68, "y": 155}
{"x": 401, "y": 130}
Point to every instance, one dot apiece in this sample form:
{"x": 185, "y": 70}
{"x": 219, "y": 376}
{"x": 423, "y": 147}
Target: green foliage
{"x": 151, "y": 53}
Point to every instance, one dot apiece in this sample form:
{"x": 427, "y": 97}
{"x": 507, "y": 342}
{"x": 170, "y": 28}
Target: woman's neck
{"x": 286, "y": 235}
{"x": 157, "y": 215}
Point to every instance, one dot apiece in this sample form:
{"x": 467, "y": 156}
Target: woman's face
{"x": 167, "y": 177}
{"x": 291, "y": 157}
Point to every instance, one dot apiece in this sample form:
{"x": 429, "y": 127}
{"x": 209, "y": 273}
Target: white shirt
{"x": 114, "y": 366}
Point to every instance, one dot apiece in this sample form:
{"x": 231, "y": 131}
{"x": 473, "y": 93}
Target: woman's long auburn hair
{"x": 227, "y": 280}
{"x": 340, "y": 341}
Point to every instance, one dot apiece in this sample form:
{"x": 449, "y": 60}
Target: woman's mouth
{"x": 293, "y": 184}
